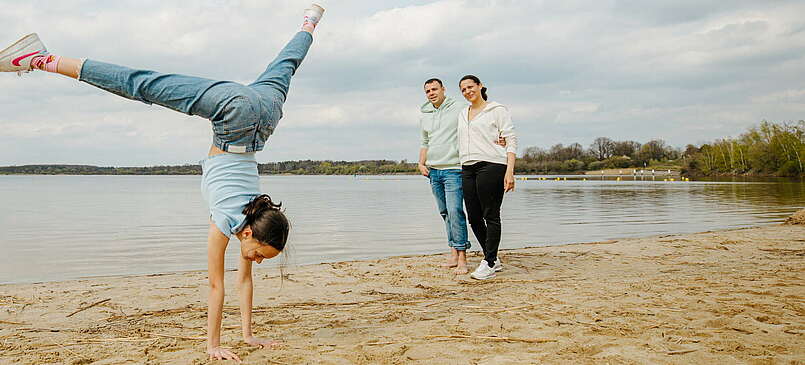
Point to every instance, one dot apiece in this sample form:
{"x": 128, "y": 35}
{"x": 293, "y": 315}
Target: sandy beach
{"x": 727, "y": 297}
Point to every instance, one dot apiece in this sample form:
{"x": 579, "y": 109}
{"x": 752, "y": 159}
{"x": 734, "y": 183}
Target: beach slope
{"x": 734, "y": 296}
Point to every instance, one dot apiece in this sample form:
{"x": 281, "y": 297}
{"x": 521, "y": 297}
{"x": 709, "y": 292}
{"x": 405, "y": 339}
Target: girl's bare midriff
{"x": 215, "y": 151}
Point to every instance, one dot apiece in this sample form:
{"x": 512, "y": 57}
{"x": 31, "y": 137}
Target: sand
{"x": 796, "y": 218}
{"x": 728, "y": 297}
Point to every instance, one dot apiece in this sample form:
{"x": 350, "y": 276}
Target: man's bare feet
{"x": 461, "y": 263}
{"x": 452, "y": 260}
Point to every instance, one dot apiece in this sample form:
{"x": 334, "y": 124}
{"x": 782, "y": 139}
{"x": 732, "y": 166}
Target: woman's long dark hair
{"x": 268, "y": 223}
{"x": 476, "y": 80}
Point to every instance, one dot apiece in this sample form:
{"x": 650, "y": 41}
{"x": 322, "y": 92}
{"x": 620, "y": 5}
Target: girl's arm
{"x": 246, "y": 289}
{"x": 216, "y": 248}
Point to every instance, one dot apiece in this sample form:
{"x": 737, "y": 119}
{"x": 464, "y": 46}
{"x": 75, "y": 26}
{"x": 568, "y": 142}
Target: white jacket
{"x": 476, "y": 138}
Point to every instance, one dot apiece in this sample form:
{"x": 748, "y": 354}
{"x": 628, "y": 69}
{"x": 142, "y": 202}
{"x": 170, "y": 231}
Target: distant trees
{"x": 602, "y": 148}
{"x": 603, "y": 153}
{"x": 768, "y": 149}
{"x": 310, "y": 167}
{"x": 625, "y": 148}
{"x": 305, "y": 167}
{"x": 95, "y": 170}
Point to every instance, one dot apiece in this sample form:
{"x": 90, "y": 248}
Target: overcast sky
{"x": 686, "y": 71}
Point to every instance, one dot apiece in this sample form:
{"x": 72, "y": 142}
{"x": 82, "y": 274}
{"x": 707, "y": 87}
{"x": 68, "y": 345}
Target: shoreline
{"x": 730, "y": 296}
{"x": 475, "y": 252}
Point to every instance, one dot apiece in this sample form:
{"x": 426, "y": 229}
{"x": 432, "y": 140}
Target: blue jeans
{"x": 242, "y": 116}
{"x": 446, "y": 186}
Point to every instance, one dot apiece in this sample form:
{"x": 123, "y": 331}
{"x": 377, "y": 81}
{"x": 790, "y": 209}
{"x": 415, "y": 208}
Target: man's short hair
{"x": 434, "y": 80}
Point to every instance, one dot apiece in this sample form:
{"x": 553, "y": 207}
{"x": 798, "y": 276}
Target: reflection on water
{"x": 63, "y": 227}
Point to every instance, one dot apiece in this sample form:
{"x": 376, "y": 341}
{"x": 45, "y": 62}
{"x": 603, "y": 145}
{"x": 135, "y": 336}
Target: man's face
{"x": 434, "y": 92}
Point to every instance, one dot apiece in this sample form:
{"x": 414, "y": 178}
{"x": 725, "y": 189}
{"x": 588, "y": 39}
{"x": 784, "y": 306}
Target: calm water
{"x": 65, "y": 227}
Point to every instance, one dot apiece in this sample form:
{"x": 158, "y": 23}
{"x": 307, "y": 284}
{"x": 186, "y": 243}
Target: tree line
{"x": 603, "y": 153}
{"x": 303, "y": 167}
{"x": 767, "y": 149}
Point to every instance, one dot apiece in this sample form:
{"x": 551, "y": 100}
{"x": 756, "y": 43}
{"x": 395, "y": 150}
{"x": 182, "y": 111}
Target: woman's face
{"x": 471, "y": 90}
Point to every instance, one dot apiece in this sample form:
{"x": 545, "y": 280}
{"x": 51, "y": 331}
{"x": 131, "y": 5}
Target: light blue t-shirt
{"x": 229, "y": 181}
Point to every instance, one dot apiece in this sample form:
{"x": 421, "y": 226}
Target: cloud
{"x": 686, "y": 71}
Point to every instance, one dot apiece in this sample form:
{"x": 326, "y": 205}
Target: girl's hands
{"x": 219, "y": 353}
{"x": 508, "y": 182}
{"x": 261, "y": 342}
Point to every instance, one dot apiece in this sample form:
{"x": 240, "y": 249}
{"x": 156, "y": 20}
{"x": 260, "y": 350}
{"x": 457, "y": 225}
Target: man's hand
{"x": 219, "y": 353}
{"x": 424, "y": 170}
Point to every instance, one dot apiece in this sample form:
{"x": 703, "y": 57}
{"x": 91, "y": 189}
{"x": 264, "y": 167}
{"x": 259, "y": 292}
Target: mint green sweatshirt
{"x": 439, "y": 128}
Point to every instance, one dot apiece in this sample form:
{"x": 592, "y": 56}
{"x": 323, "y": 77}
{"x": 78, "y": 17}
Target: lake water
{"x": 66, "y": 227}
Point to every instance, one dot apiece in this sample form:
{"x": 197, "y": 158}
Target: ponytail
{"x": 259, "y": 205}
{"x": 268, "y": 223}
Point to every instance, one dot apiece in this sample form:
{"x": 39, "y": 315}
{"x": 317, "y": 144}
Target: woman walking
{"x": 243, "y": 117}
{"x": 487, "y": 167}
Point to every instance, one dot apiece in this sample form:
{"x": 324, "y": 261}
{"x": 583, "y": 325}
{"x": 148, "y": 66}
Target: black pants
{"x": 483, "y": 194}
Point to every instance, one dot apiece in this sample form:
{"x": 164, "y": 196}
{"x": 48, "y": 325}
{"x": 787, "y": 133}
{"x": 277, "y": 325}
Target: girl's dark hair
{"x": 268, "y": 223}
{"x": 476, "y": 80}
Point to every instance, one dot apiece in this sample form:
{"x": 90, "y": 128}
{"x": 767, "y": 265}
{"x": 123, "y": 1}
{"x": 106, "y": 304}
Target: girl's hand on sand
{"x": 219, "y": 353}
{"x": 262, "y": 342}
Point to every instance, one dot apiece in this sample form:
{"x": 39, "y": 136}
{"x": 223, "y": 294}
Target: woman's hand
{"x": 219, "y": 353}
{"x": 508, "y": 182}
{"x": 261, "y": 342}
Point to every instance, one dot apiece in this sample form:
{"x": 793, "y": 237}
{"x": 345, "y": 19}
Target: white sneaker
{"x": 498, "y": 265}
{"x": 483, "y": 272}
{"x": 313, "y": 15}
{"x": 17, "y": 57}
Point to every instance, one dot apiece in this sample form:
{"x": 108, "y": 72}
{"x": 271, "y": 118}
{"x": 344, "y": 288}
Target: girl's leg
{"x": 66, "y": 66}
{"x": 173, "y": 91}
{"x": 274, "y": 82}
{"x": 177, "y": 92}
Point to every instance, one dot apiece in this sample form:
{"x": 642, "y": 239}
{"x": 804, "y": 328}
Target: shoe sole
{"x": 483, "y": 278}
{"x": 317, "y": 7}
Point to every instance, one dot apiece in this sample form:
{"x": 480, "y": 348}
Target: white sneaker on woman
{"x": 498, "y": 265}
{"x": 17, "y": 57}
{"x": 483, "y": 272}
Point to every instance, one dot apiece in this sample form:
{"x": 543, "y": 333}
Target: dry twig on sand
{"x": 492, "y": 338}
{"x": 379, "y": 343}
{"x": 177, "y": 337}
{"x": 89, "y": 306}
{"x": 14, "y": 323}
{"x": 681, "y": 352}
